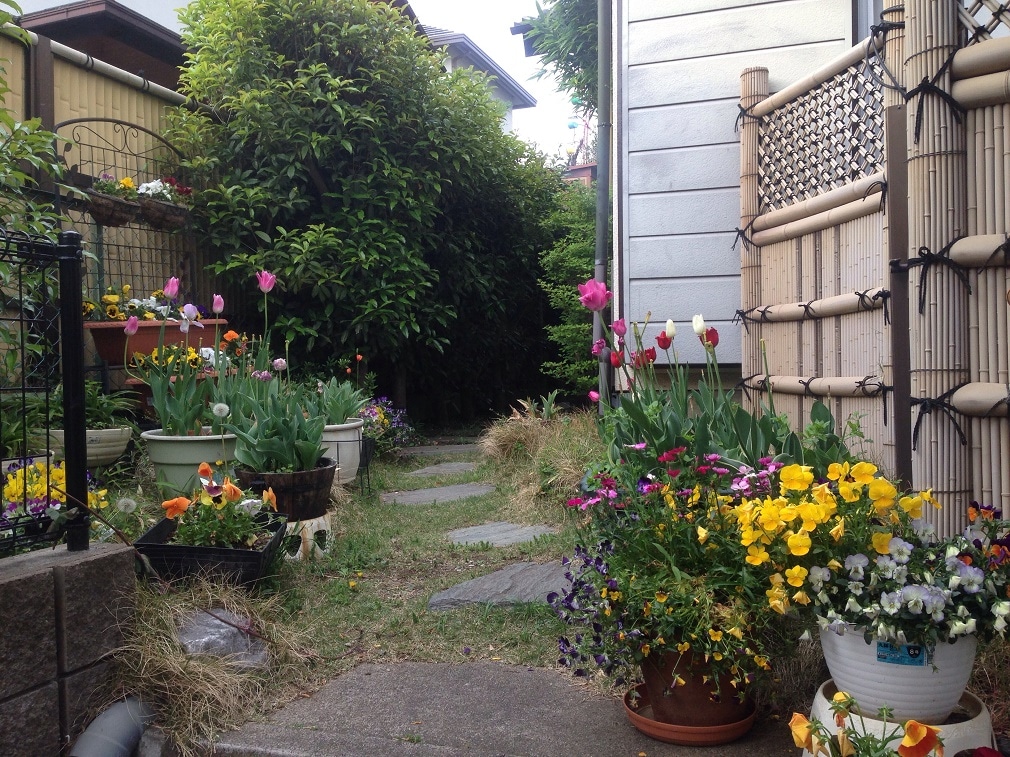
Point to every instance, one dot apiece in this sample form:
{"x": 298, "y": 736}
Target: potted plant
{"x": 164, "y": 203}
{"x": 339, "y": 403}
{"x": 182, "y": 380}
{"x": 899, "y": 610}
{"x": 109, "y": 418}
{"x": 661, "y": 589}
{"x": 217, "y": 529}
{"x": 111, "y": 201}
{"x": 107, "y": 317}
{"x": 279, "y": 445}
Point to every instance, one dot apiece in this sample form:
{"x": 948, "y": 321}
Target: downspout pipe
{"x": 604, "y": 128}
{"x": 116, "y": 732}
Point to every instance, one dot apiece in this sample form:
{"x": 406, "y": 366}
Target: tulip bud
{"x": 671, "y": 328}
{"x": 171, "y": 288}
{"x": 218, "y": 305}
{"x": 132, "y": 326}
{"x": 698, "y": 324}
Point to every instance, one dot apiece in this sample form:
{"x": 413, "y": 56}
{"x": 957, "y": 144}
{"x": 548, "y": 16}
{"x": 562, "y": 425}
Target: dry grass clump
{"x": 989, "y": 682}
{"x": 197, "y": 696}
{"x": 543, "y": 458}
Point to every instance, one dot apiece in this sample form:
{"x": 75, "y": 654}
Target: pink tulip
{"x": 266, "y": 281}
{"x": 132, "y": 326}
{"x": 279, "y": 364}
{"x": 594, "y": 295}
{"x": 171, "y": 288}
{"x": 217, "y": 306}
{"x": 594, "y": 396}
{"x": 620, "y": 327}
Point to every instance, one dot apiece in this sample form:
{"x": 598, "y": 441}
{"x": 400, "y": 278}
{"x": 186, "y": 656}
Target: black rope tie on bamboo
{"x": 882, "y": 29}
{"x": 927, "y": 260}
{"x": 744, "y": 385}
{"x": 883, "y": 193}
{"x": 745, "y": 114}
{"x": 1004, "y": 250}
{"x": 926, "y": 407}
{"x": 928, "y": 87}
{"x": 741, "y": 235}
{"x": 740, "y": 316}
{"x": 807, "y": 391}
{"x": 997, "y": 403}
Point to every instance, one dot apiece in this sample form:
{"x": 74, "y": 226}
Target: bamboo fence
{"x": 863, "y": 295}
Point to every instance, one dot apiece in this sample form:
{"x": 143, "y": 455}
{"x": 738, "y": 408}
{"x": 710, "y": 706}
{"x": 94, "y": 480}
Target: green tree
{"x": 565, "y": 34}
{"x": 566, "y": 264}
{"x": 337, "y": 152}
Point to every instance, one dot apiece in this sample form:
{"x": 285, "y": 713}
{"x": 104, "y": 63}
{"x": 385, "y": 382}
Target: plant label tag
{"x": 913, "y": 655}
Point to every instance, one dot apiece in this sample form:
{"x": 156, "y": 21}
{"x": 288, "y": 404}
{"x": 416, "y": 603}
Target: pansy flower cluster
{"x": 219, "y": 514}
{"x": 663, "y": 572}
{"x": 853, "y": 549}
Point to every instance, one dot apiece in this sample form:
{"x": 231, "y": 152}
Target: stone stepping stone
{"x": 439, "y": 449}
{"x": 442, "y": 469}
{"x": 523, "y": 582}
{"x": 437, "y": 494}
{"x": 498, "y": 534}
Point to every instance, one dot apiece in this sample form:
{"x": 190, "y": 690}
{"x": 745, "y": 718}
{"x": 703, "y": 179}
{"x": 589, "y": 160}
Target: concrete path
{"x": 478, "y": 709}
{"x": 437, "y": 494}
{"x": 522, "y": 582}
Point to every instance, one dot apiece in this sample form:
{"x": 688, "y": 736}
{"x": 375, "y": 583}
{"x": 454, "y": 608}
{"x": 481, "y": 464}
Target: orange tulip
{"x": 920, "y": 740}
{"x": 205, "y": 471}
{"x": 176, "y": 507}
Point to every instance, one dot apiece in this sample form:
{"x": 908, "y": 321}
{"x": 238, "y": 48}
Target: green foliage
{"x": 565, "y": 34}
{"x": 567, "y": 263}
{"x": 336, "y": 401}
{"x": 274, "y": 434}
{"x": 398, "y": 217}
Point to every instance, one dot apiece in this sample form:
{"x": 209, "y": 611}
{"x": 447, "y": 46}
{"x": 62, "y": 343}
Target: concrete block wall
{"x": 60, "y": 615}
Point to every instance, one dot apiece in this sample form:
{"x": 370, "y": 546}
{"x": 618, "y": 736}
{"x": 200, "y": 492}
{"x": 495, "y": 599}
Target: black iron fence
{"x": 41, "y": 347}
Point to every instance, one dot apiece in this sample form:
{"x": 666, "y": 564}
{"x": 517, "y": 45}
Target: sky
{"x": 487, "y": 24}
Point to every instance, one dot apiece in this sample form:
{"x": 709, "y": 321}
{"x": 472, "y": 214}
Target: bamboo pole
{"x": 820, "y": 221}
{"x": 833, "y": 198}
{"x": 753, "y": 89}
{"x": 937, "y": 213}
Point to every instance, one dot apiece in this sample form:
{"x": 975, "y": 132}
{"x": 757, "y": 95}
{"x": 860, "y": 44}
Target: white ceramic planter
{"x": 105, "y": 445}
{"x": 876, "y": 678}
{"x": 176, "y": 458}
{"x": 970, "y": 727}
{"x": 342, "y": 442}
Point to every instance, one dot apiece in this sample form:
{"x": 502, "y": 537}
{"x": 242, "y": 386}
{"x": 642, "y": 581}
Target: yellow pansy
{"x": 702, "y": 535}
{"x": 796, "y": 575}
{"x": 796, "y": 477}
{"x": 798, "y": 543}
{"x": 863, "y": 473}
{"x": 881, "y": 540}
{"x": 757, "y": 555}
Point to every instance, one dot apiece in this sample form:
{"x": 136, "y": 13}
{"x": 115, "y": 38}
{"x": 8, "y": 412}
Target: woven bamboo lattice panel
{"x": 983, "y": 19}
{"x": 822, "y": 140}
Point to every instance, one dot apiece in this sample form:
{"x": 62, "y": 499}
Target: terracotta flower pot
{"x": 111, "y": 341}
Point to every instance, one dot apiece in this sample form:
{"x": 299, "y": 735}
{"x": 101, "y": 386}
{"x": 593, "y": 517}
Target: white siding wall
{"x": 678, "y": 64}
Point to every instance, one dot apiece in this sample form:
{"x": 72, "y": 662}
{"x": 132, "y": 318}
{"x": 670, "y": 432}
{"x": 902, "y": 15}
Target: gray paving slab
{"x": 498, "y": 534}
{"x": 439, "y": 449}
{"x": 442, "y": 469}
{"x": 472, "y": 709}
{"x": 436, "y": 494}
{"x": 522, "y": 582}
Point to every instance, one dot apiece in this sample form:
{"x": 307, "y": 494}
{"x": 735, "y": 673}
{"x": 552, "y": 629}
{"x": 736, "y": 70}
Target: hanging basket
{"x": 166, "y": 216}
{"x": 109, "y": 210}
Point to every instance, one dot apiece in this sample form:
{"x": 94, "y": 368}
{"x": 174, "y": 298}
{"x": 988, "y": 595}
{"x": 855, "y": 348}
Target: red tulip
{"x": 663, "y": 341}
{"x": 709, "y": 338}
{"x": 615, "y": 359}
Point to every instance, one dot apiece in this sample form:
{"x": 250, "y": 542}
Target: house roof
{"x": 111, "y": 32}
{"x": 461, "y": 44}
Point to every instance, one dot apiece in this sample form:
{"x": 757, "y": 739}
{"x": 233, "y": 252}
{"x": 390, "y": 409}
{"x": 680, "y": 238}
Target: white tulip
{"x": 671, "y": 328}
{"x": 698, "y": 323}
